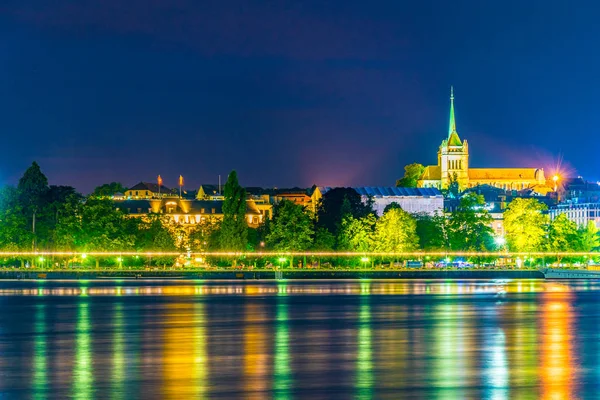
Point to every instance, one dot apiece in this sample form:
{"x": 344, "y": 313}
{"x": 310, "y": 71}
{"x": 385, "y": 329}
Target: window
{"x": 213, "y": 210}
{"x": 202, "y": 210}
{"x": 139, "y": 210}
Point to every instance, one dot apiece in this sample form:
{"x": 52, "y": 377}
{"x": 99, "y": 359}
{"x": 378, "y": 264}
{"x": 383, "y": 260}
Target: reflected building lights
{"x": 82, "y": 375}
{"x": 118, "y": 361}
{"x": 256, "y": 380}
{"x": 40, "y": 358}
{"x": 200, "y": 355}
{"x": 364, "y": 362}
{"x": 282, "y": 377}
{"x": 557, "y": 371}
{"x": 449, "y": 368}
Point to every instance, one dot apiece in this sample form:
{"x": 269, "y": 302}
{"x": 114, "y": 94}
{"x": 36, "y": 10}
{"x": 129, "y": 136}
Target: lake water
{"x": 317, "y": 340}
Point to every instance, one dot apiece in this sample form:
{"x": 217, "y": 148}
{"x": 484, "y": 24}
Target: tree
{"x": 15, "y": 233}
{"x": 203, "y": 235}
{"x": 432, "y": 231}
{"x": 562, "y": 234}
{"x": 391, "y": 206}
{"x": 469, "y": 225}
{"x": 291, "y": 228}
{"x": 324, "y": 240}
{"x": 96, "y": 225}
{"x": 339, "y": 203}
{"x": 357, "y": 234}
{"x": 588, "y": 237}
{"x": 33, "y": 187}
{"x": 395, "y": 231}
{"x": 233, "y": 235}
{"x": 153, "y": 235}
{"x": 412, "y": 174}
{"x": 453, "y": 189}
{"x": 108, "y": 189}
{"x": 525, "y": 225}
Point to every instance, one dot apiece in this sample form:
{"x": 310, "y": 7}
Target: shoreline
{"x": 107, "y": 275}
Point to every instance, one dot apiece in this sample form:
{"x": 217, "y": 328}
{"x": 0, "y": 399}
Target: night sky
{"x": 292, "y": 93}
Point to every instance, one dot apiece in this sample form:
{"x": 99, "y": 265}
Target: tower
{"x": 453, "y": 155}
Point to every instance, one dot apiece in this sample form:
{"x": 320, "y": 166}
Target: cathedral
{"x": 453, "y": 164}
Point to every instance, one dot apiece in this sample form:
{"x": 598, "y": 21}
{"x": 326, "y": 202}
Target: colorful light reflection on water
{"x": 338, "y": 339}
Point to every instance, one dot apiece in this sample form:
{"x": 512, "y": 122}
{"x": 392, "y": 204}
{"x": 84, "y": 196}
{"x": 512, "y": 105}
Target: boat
{"x": 562, "y": 273}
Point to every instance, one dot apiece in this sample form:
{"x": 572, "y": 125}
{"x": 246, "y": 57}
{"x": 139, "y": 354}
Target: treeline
{"x": 35, "y": 216}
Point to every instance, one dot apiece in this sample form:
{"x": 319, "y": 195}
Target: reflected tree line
{"x": 36, "y": 216}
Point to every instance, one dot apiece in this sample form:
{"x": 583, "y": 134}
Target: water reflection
{"x": 40, "y": 357}
{"x": 350, "y": 339}
{"x": 282, "y": 376}
{"x": 557, "y": 370}
{"x": 364, "y": 366}
{"x": 82, "y": 374}
{"x": 118, "y": 361}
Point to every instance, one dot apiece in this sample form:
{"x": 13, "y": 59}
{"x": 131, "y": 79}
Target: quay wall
{"x": 290, "y": 274}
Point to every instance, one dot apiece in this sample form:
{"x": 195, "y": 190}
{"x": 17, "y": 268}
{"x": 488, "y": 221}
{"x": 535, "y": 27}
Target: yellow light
{"x": 364, "y": 259}
{"x": 84, "y": 256}
{"x": 282, "y": 259}
{"x": 555, "y": 178}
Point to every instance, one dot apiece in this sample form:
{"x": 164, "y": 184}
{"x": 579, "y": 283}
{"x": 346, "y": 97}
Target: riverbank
{"x": 269, "y": 274}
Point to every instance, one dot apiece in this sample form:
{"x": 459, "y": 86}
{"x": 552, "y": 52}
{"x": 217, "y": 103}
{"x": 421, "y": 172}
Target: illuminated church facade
{"x": 453, "y": 164}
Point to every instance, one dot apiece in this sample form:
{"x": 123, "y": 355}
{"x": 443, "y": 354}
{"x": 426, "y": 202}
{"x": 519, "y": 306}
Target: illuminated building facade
{"x": 412, "y": 200}
{"x": 580, "y": 213}
{"x": 453, "y": 165}
{"x": 189, "y": 212}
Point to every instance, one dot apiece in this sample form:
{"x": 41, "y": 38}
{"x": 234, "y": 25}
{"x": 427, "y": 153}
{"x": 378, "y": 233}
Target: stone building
{"x": 188, "y": 212}
{"x": 453, "y": 165}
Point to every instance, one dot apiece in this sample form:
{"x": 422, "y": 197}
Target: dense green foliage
{"x": 109, "y": 189}
{"x": 337, "y": 204}
{"x": 525, "y": 225}
{"x": 234, "y": 229}
{"x": 412, "y": 173}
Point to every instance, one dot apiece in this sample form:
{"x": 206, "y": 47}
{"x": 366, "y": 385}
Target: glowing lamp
{"x": 282, "y": 259}
{"x": 84, "y": 256}
{"x": 364, "y": 259}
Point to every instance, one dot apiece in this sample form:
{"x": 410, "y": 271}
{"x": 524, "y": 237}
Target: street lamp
{"x": 364, "y": 261}
{"x": 500, "y": 241}
{"x": 281, "y": 261}
{"x": 556, "y": 178}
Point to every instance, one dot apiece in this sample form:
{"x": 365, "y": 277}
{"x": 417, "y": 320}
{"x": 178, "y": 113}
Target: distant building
{"x": 412, "y": 200}
{"x": 453, "y": 164}
{"x": 147, "y": 190}
{"x": 578, "y": 190}
{"x": 580, "y": 213}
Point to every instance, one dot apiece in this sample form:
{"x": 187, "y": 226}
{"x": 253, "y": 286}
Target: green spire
{"x": 452, "y": 126}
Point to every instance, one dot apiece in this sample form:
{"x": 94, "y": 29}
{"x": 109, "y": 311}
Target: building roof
{"x": 153, "y": 187}
{"x": 388, "y": 191}
{"x": 454, "y": 140}
{"x": 503, "y": 173}
{"x": 432, "y": 172}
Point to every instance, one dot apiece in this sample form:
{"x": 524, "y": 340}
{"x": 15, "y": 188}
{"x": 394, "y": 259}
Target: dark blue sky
{"x": 292, "y": 92}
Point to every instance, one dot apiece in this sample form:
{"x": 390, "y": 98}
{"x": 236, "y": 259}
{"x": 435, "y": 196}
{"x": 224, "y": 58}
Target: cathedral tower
{"x": 453, "y": 155}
